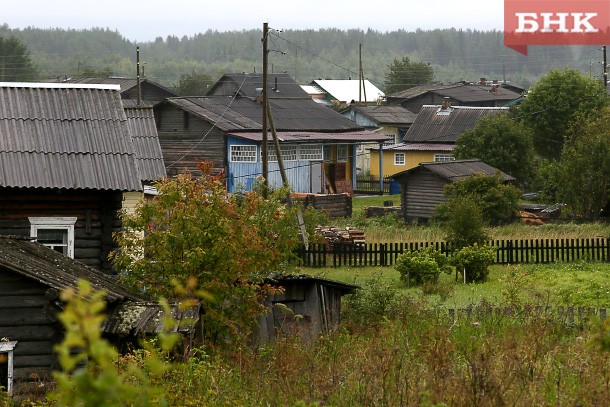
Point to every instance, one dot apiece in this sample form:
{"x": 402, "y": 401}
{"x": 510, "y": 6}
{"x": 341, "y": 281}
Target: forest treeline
{"x": 305, "y": 55}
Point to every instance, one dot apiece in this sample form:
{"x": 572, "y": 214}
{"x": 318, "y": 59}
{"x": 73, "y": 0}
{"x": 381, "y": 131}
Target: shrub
{"x": 463, "y": 223}
{"x": 422, "y": 266}
{"x": 369, "y": 305}
{"x": 474, "y": 261}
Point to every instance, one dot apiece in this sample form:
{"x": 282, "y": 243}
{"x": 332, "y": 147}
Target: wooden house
{"x": 392, "y": 121}
{"x": 318, "y": 145}
{"x": 479, "y": 94}
{"x": 431, "y": 137}
{"x": 151, "y": 93}
{"x": 422, "y": 187}
{"x": 67, "y": 159}
{"x": 31, "y": 278}
{"x": 308, "y": 307}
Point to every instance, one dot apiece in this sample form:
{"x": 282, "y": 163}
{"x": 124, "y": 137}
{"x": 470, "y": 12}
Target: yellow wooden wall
{"x": 412, "y": 159}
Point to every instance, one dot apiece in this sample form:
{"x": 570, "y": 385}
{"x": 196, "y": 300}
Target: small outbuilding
{"x": 31, "y": 278}
{"x": 307, "y": 307}
{"x": 422, "y": 186}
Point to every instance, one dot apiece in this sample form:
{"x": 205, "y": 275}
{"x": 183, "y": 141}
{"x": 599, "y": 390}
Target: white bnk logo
{"x": 529, "y": 23}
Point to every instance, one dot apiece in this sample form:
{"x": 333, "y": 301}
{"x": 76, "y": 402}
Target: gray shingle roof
{"x": 456, "y": 170}
{"x": 141, "y": 122}
{"x": 386, "y": 114}
{"x": 241, "y": 113}
{"x": 246, "y": 84}
{"x": 432, "y": 125}
{"x": 65, "y": 136}
{"x": 462, "y": 92}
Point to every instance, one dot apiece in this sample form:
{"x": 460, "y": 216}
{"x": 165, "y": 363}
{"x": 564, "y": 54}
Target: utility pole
{"x": 605, "y": 75}
{"x": 265, "y": 105}
{"x": 138, "y": 76}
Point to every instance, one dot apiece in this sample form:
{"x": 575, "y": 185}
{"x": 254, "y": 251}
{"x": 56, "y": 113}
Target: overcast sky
{"x": 146, "y": 20}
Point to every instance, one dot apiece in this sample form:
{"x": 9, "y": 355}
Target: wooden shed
{"x": 308, "y": 307}
{"x": 31, "y": 277}
{"x": 422, "y": 187}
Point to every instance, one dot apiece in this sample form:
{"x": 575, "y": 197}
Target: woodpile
{"x": 529, "y": 218}
{"x": 333, "y": 235}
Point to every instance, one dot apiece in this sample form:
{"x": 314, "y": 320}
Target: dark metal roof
{"x": 461, "y": 92}
{"x": 53, "y": 269}
{"x": 249, "y": 84}
{"x": 141, "y": 122}
{"x": 125, "y": 83}
{"x": 318, "y": 137}
{"x": 241, "y": 113}
{"x": 456, "y": 170}
{"x": 386, "y": 114}
{"x": 436, "y": 125}
{"x": 65, "y": 136}
{"x": 281, "y": 279}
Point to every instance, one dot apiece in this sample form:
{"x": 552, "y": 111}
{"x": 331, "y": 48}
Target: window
{"x": 56, "y": 233}
{"x": 328, "y": 153}
{"x": 439, "y": 158}
{"x": 289, "y": 153}
{"x": 243, "y": 154}
{"x": 399, "y": 159}
{"x": 342, "y": 152}
{"x": 311, "y": 152}
{"x": 6, "y": 365}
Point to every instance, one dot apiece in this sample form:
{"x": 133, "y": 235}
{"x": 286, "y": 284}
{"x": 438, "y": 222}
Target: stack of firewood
{"x": 333, "y": 235}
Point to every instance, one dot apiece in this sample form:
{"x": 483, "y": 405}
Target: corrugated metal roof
{"x": 435, "y": 125}
{"x": 241, "y": 113}
{"x": 419, "y": 90}
{"x": 457, "y": 170}
{"x": 346, "y": 90}
{"x": 386, "y": 114}
{"x": 141, "y": 122}
{"x": 462, "y": 92}
{"x": 65, "y": 136}
{"x": 314, "y": 137}
{"x": 125, "y": 83}
{"x": 53, "y": 269}
{"x": 249, "y": 84}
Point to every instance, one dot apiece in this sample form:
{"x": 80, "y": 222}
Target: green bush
{"x": 474, "y": 261}
{"x": 463, "y": 222}
{"x": 369, "y": 305}
{"x": 422, "y": 266}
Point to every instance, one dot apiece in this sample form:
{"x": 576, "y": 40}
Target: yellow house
{"x": 430, "y": 138}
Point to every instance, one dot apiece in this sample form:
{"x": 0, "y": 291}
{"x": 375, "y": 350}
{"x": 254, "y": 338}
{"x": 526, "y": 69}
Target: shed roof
{"x": 244, "y": 113}
{"x": 280, "y": 279}
{"x": 279, "y": 86}
{"x": 416, "y": 147}
{"x": 434, "y": 124}
{"x": 53, "y": 269}
{"x": 397, "y": 115}
{"x": 347, "y": 90}
{"x": 141, "y": 122}
{"x": 455, "y": 170}
{"x": 65, "y": 136}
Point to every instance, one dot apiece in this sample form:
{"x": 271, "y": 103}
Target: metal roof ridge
{"x": 46, "y": 85}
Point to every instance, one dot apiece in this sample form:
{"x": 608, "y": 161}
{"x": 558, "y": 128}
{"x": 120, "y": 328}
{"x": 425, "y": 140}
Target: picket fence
{"x": 521, "y": 251}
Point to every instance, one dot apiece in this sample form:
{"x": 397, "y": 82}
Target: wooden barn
{"x": 422, "y": 187}
{"x": 68, "y": 160}
{"x": 31, "y": 278}
{"x": 318, "y": 145}
{"x": 308, "y": 307}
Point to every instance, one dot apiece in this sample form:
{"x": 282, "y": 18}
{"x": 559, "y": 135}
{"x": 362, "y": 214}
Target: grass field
{"x": 573, "y": 284}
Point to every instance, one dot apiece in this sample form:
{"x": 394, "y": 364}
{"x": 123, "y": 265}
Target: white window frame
{"x": 55, "y": 223}
{"x": 289, "y": 152}
{"x": 400, "y": 154}
{"x": 442, "y": 157}
{"x": 311, "y": 152}
{"x": 342, "y": 153}
{"x": 7, "y": 347}
{"x": 243, "y": 153}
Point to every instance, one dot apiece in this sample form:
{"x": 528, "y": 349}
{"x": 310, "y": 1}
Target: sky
{"x": 141, "y": 21}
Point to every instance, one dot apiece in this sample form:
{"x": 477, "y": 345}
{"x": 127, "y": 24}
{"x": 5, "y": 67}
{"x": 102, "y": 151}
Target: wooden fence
{"x": 523, "y": 251}
{"x": 368, "y": 184}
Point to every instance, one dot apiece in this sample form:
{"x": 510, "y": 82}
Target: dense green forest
{"x": 306, "y": 55}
